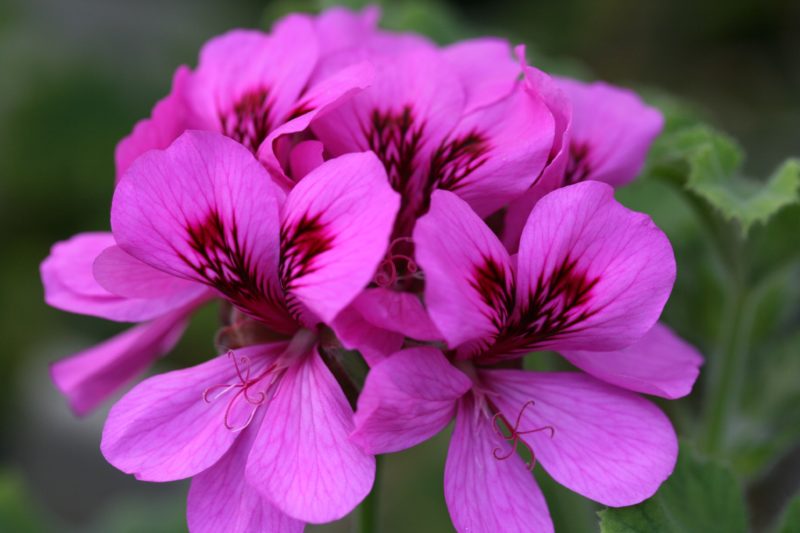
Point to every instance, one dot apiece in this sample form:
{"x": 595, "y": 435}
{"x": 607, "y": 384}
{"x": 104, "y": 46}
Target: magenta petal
{"x": 395, "y": 311}
{"x": 487, "y": 68}
{"x": 614, "y": 128}
{"x": 302, "y": 459}
{"x": 69, "y": 284}
{"x": 164, "y": 429}
{"x": 91, "y": 376}
{"x": 467, "y": 271}
{"x": 484, "y": 493}
{"x": 607, "y": 444}
{"x": 355, "y": 332}
{"x": 661, "y": 363}
{"x": 305, "y": 157}
{"x": 591, "y": 274}
{"x": 407, "y": 399}
{"x": 220, "y": 499}
{"x": 171, "y": 117}
{"x": 335, "y": 230}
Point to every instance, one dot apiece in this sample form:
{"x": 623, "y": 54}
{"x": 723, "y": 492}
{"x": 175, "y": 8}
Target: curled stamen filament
{"x": 387, "y": 273}
{"x": 514, "y": 436}
{"x": 244, "y": 385}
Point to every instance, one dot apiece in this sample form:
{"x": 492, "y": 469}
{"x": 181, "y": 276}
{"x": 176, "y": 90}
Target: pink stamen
{"x": 387, "y": 274}
{"x": 514, "y": 436}
{"x": 243, "y": 372}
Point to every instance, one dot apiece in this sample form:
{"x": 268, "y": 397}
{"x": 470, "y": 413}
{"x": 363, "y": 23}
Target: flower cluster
{"x": 441, "y": 211}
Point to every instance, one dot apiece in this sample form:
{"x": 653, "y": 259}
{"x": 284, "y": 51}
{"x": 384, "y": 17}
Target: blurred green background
{"x": 77, "y": 74}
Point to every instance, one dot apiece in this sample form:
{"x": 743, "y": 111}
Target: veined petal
{"x": 487, "y": 68}
{"x": 661, "y": 363}
{"x": 171, "y": 426}
{"x": 220, "y": 499}
{"x": 69, "y": 284}
{"x": 206, "y": 210}
{"x": 495, "y": 154}
{"x": 591, "y": 274}
{"x": 396, "y": 311}
{"x": 484, "y": 493}
{"x": 89, "y": 377}
{"x": 608, "y": 444}
{"x": 171, "y": 116}
{"x": 355, "y": 332}
{"x": 407, "y": 398}
{"x": 468, "y": 280}
{"x": 247, "y": 82}
{"x": 302, "y": 459}
{"x": 612, "y": 130}
{"x": 335, "y": 231}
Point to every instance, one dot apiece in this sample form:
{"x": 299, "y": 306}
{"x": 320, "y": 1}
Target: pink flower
{"x": 589, "y": 281}
{"x": 262, "y": 429}
{"x": 605, "y": 134}
{"x": 161, "y": 303}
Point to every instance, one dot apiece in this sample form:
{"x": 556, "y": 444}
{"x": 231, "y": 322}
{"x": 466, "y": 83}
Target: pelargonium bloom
{"x": 264, "y": 428}
{"x": 162, "y": 304}
{"x": 590, "y": 278}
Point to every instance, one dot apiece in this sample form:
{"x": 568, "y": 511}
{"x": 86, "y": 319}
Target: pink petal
{"x": 70, "y": 285}
{"x": 164, "y": 429}
{"x": 401, "y": 312}
{"x": 91, "y": 376}
{"x": 302, "y": 459}
{"x": 122, "y": 274}
{"x": 339, "y": 28}
{"x": 484, "y": 493}
{"x": 615, "y": 128}
{"x": 355, "y": 332}
{"x": 206, "y": 210}
{"x": 171, "y": 116}
{"x": 220, "y": 499}
{"x": 592, "y": 275}
{"x": 608, "y": 444}
{"x": 247, "y": 82}
{"x": 495, "y": 154}
{"x": 661, "y": 363}
{"x": 552, "y": 177}
{"x": 305, "y": 157}
{"x": 407, "y": 399}
{"x": 335, "y": 231}
{"x": 319, "y": 99}
{"x": 487, "y": 68}
{"x": 467, "y": 271}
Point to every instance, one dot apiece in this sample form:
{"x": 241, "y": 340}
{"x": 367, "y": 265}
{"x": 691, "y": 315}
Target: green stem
{"x": 368, "y": 510}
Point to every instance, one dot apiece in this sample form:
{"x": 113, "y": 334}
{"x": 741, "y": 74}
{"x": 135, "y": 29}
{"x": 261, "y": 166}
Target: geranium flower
{"x": 591, "y": 277}
{"x": 262, "y": 429}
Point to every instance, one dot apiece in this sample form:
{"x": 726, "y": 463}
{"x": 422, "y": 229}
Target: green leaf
{"x": 708, "y": 163}
{"x": 700, "y": 496}
{"x": 790, "y": 523}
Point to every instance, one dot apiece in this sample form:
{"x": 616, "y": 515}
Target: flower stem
{"x": 368, "y": 510}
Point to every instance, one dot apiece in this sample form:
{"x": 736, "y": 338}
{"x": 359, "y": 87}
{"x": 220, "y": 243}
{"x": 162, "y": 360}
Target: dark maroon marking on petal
{"x": 578, "y": 168}
{"x": 302, "y": 242}
{"x": 555, "y": 307}
{"x": 249, "y": 121}
{"x": 495, "y": 289}
{"x": 224, "y": 264}
{"x": 300, "y": 109}
{"x": 395, "y": 137}
{"x": 456, "y": 159}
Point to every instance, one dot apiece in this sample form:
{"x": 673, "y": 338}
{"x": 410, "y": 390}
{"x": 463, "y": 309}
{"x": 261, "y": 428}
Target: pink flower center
{"x": 513, "y": 435}
{"x": 252, "y": 391}
{"x": 398, "y": 265}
